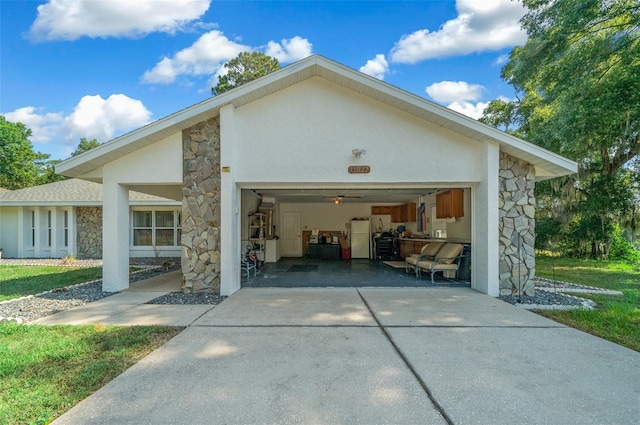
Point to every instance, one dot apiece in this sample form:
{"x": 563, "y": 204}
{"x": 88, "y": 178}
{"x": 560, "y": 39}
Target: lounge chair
{"x": 428, "y": 252}
{"x": 447, "y": 259}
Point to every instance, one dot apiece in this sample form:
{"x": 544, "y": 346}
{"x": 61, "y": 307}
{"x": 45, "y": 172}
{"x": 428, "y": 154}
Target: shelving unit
{"x": 257, "y": 231}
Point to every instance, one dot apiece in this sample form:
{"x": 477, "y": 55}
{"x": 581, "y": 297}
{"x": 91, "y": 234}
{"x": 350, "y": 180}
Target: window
{"x": 66, "y": 228}
{"x": 48, "y": 228}
{"x": 33, "y": 228}
{"x": 142, "y": 228}
{"x": 179, "y": 228}
{"x": 164, "y": 228}
{"x": 156, "y": 228}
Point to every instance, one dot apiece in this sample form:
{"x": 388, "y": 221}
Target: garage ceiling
{"x": 352, "y": 195}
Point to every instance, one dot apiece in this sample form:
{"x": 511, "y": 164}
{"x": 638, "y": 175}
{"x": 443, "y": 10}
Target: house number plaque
{"x": 359, "y": 169}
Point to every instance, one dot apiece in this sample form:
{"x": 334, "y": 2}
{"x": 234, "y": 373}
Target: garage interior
{"x": 346, "y": 237}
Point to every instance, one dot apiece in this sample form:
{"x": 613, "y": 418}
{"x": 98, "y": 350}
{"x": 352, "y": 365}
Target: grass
{"x": 616, "y": 318}
{"x": 18, "y": 281}
{"x": 45, "y": 370}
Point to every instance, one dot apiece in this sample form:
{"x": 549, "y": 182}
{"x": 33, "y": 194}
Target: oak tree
{"x": 244, "y": 68}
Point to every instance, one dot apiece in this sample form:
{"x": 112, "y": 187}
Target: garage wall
{"x": 306, "y": 133}
{"x": 327, "y": 216}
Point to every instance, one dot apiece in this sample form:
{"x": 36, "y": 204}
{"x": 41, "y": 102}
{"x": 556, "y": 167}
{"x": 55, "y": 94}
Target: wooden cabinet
{"x": 381, "y": 210}
{"x": 407, "y": 247}
{"x": 450, "y": 204}
{"x": 409, "y": 213}
{"x": 396, "y": 214}
{"x": 405, "y": 213}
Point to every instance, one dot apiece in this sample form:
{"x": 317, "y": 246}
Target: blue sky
{"x": 100, "y": 68}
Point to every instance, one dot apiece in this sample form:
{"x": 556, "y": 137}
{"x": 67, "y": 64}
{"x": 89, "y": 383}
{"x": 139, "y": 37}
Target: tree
{"x": 85, "y": 145}
{"x": 244, "y": 68}
{"x": 577, "y": 82}
{"x": 20, "y": 165}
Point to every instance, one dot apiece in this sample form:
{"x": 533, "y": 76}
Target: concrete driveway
{"x": 372, "y": 356}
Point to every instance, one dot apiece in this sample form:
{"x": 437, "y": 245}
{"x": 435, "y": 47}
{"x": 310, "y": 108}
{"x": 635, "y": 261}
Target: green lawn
{"x": 616, "y": 318}
{"x": 44, "y": 371}
{"x": 18, "y": 281}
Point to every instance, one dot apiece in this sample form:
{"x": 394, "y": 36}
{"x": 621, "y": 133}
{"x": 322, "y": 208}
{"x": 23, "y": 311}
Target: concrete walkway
{"x": 367, "y": 356}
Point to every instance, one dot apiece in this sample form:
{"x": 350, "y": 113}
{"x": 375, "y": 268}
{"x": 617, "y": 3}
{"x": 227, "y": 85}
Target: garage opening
{"x": 350, "y": 237}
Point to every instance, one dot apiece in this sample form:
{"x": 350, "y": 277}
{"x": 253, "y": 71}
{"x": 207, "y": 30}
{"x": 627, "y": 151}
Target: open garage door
{"x": 320, "y": 229}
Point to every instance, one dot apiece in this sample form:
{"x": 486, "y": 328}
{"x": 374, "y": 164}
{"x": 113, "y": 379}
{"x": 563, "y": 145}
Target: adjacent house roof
{"x": 548, "y": 164}
{"x": 72, "y": 192}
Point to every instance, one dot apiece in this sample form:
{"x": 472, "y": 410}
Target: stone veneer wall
{"x": 89, "y": 226}
{"x": 517, "y": 226}
{"x": 201, "y": 206}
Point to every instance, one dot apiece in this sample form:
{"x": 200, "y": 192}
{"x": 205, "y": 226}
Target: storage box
{"x": 346, "y": 253}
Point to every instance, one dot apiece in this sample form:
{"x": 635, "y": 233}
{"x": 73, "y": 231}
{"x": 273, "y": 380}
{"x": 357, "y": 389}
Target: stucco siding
{"x": 9, "y": 231}
{"x": 307, "y": 132}
{"x": 155, "y": 164}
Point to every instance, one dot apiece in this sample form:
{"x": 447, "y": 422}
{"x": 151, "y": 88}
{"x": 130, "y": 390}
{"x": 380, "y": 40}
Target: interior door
{"x": 292, "y": 235}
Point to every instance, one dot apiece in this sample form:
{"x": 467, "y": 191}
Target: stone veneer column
{"x": 516, "y": 226}
{"x": 201, "y": 206}
{"x": 89, "y": 231}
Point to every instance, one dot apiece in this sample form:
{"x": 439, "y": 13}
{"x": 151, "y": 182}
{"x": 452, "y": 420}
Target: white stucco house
{"x": 294, "y": 135}
{"x": 64, "y": 218}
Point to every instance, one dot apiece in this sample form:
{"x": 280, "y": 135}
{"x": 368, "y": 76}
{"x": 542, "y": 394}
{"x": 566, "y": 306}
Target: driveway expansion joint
{"x": 407, "y": 363}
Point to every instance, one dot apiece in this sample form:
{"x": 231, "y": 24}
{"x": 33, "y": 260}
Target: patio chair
{"x": 447, "y": 259}
{"x": 428, "y": 252}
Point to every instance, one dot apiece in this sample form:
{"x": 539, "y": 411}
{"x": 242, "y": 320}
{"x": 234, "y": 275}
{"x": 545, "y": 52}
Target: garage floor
{"x": 307, "y": 272}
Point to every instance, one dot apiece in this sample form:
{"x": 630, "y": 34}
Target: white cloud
{"x": 502, "y": 59}
{"x": 454, "y": 91}
{"x": 290, "y": 50}
{"x": 72, "y": 19}
{"x": 459, "y": 96}
{"x": 43, "y": 126}
{"x": 481, "y": 25}
{"x": 205, "y": 56}
{"x": 212, "y": 50}
{"x": 93, "y": 117}
{"x": 98, "y": 118}
{"x": 469, "y": 109}
{"x": 377, "y": 67}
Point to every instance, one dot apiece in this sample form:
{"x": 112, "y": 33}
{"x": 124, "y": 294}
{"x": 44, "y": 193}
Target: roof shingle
{"x": 71, "y": 191}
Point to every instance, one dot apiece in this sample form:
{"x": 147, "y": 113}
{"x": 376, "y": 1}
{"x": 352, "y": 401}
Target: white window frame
{"x": 33, "y": 229}
{"x": 177, "y": 227}
{"x": 65, "y": 227}
{"x": 49, "y": 228}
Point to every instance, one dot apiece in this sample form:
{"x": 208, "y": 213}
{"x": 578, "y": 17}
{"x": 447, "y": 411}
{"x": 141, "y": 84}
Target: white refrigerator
{"x": 360, "y": 238}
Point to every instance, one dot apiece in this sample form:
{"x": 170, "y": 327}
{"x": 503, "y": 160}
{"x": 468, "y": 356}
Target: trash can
{"x": 346, "y": 253}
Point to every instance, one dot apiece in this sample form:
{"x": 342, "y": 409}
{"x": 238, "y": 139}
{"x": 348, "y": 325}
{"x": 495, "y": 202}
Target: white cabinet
{"x": 272, "y": 253}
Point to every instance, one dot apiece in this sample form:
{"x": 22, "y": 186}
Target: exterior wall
{"x": 306, "y": 132}
{"x": 517, "y": 226}
{"x": 201, "y": 206}
{"x": 89, "y": 225}
{"x": 9, "y": 231}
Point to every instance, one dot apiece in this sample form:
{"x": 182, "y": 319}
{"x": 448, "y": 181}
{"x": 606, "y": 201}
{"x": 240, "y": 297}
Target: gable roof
{"x": 72, "y": 192}
{"x": 554, "y": 165}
